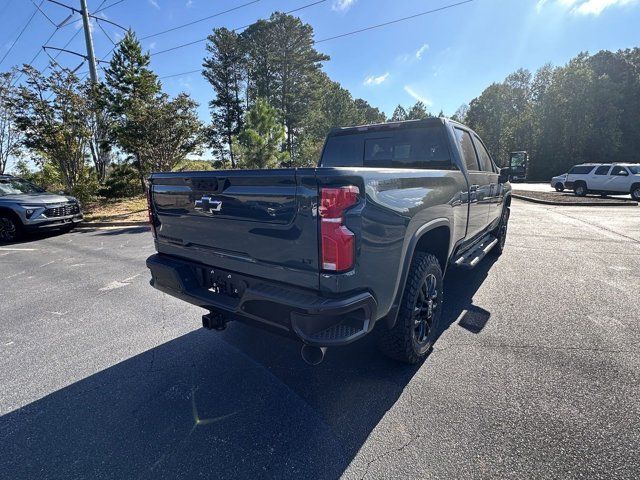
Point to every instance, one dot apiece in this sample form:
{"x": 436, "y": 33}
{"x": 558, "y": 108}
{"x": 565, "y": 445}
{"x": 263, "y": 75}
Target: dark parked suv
{"x": 25, "y": 207}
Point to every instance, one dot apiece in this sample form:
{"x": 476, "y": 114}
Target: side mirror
{"x": 504, "y": 174}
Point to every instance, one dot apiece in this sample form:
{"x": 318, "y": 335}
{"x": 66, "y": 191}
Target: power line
{"x": 100, "y": 9}
{"x": 21, "y": 32}
{"x": 234, "y": 30}
{"x": 346, "y": 34}
{"x": 446, "y": 7}
{"x": 193, "y": 22}
{"x": 108, "y": 6}
{"x": 179, "y": 74}
{"x": 42, "y": 12}
{"x": 105, "y": 33}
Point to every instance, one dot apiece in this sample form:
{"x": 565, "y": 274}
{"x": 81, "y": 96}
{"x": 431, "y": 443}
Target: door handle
{"x": 473, "y": 188}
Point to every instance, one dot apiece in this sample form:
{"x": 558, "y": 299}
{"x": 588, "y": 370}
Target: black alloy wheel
{"x": 9, "y": 230}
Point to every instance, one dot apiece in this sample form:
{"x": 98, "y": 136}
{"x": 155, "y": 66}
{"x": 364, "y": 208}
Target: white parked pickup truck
{"x": 614, "y": 179}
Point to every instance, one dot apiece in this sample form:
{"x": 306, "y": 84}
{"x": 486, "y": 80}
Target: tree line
{"x": 272, "y": 105}
{"x": 585, "y": 111}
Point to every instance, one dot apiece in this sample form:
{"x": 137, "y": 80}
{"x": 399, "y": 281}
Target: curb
{"x": 112, "y": 224}
{"x": 575, "y": 204}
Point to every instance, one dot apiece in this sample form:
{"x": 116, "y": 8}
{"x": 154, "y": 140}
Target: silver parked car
{"x": 25, "y": 207}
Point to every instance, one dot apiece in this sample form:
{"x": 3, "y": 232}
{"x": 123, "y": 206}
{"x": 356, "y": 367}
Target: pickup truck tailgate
{"x": 255, "y": 222}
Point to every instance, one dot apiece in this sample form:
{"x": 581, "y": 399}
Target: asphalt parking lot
{"x": 536, "y": 373}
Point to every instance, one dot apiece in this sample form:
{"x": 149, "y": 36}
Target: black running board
{"x": 472, "y": 257}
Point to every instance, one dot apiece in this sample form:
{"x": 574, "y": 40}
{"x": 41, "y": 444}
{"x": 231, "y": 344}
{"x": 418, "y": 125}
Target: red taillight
{"x": 152, "y": 220}
{"x": 336, "y": 241}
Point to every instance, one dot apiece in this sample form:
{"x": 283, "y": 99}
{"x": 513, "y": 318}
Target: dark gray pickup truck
{"x": 325, "y": 254}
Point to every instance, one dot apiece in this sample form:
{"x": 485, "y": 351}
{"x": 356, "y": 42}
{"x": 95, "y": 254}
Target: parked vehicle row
{"x": 325, "y": 254}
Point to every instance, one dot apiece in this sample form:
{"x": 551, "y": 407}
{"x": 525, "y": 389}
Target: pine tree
{"x": 399, "y": 114}
{"x": 283, "y": 65}
{"x": 418, "y": 112}
{"x": 262, "y": 137}
{"x": 224, "y": 69}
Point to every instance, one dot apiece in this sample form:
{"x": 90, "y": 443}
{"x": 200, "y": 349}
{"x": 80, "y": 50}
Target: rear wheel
{"x": 501, "y": 232}
{"x": 635, "y": 192}
{"x": 559, "y": 187}
{"x": 413, "y": 335}
{"x": 10, "y": 228}
{"x": 580, "y": 189}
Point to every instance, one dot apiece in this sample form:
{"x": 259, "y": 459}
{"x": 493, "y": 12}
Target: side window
{"x": 602, "y": 170}
{"x": 581, "y": 169}
{"x": 485, "y": 159}
{"x": 468, "y": 152}
{"x": 619, "y": 171}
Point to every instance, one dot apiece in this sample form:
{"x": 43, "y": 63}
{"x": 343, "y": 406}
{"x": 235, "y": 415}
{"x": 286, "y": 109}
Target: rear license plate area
{"x": 225, "y": 283}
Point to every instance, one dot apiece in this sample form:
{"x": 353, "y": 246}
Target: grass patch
{"x": 113, "y": 210}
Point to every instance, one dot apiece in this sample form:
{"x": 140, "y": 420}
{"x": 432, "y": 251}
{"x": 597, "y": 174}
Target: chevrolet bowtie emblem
{"x": 207, "y": 205}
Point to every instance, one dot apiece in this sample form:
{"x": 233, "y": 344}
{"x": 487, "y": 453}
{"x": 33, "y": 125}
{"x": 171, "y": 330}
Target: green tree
{"x": 262, "y": 137}
{"x": 399, "y": 114}
{"x": 172, "y": 131}
{"x": 461, "y": 113}
{"x": 284, "y": 68}
{"x": 130, "y": 88}
{"x": 418, "y": 112}
{"x": 155, "y": 131}
{"x": 55, "y": 115}
{"x": 224, "y": 69}
{"x": 367, "y": 114}
{"x": 10, "y": 136}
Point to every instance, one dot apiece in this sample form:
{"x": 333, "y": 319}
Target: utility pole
{"x": 91, "y": 58}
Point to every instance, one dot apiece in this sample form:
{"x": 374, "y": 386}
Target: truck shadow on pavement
{"x": 230, "y": 405}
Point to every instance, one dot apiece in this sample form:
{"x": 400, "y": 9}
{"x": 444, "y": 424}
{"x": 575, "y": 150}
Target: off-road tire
{"x": 559, "y": 187}
{"x": 400, "y": 343}
{"x": 501, "y": 232}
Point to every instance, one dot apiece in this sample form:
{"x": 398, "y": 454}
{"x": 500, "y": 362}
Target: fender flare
{"x": 401, "y": 279}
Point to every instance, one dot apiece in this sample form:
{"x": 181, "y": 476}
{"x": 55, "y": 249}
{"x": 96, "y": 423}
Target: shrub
{"x": 123, "y": 181}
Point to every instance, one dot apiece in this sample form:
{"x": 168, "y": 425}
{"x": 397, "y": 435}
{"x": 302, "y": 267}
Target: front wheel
{"x": 412, "y": 337}
{"x": 635, "y": 192}
{"x": 559, "y": 187}
{"x": 10, "y": 228}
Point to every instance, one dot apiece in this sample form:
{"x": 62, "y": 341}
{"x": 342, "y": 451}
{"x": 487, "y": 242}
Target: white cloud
{"x": 417, "y": 96}
{"x": 421, "y": 50}
{"x": 371, "y": 80}
{"x": 189, "y": 4}
{"x": 154, "y": 3}
{"x": 342, "y": 5}
{"x": 152, "y": 45}
{"x": 585, "y": 7}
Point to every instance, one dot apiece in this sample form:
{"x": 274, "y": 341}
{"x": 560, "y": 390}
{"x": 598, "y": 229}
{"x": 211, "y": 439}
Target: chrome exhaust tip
{"x": 313, "y": 355}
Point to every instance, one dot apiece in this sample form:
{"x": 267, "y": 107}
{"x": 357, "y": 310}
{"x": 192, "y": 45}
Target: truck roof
{"x": 376, "y": 127}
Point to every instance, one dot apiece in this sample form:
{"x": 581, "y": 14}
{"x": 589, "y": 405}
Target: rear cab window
{"x": 416, "y": 147}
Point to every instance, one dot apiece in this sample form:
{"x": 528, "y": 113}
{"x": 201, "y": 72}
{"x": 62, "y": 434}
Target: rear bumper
{"x": 314, "y": 319}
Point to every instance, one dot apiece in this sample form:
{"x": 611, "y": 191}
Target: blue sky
{"x": 445, "y": 58}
